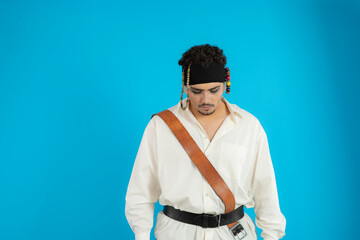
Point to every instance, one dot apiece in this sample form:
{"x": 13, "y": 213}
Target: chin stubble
{"x": 209, "y": 113}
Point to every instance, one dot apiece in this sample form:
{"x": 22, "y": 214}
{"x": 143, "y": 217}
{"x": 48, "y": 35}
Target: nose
{"x": 205, "y": 97}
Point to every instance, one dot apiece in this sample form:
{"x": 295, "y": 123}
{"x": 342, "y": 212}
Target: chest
{"x": 211, "y": 127}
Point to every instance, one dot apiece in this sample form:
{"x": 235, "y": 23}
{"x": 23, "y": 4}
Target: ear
{"x": 224, "y": 87}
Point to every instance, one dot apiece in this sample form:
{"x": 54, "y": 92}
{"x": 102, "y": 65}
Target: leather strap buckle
{"x": 238, "y": 232}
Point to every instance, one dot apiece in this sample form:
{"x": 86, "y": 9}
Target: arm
{"x": 143, "y": 189}
{"x": 267, "y": 209}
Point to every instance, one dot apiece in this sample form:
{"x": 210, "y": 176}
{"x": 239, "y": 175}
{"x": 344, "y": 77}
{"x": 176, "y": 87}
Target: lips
{"x": 206, "y": 107}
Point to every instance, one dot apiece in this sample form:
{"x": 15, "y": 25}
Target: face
{"x": 205, "y": 98}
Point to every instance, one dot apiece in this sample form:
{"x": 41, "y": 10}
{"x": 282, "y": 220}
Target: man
{"x": 232, "y": 140}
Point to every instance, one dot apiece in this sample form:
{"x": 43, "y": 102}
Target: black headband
{"x": 215, "y": 72}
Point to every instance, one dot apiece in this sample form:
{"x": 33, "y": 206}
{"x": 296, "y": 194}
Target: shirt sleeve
{"x": 143, "y": 189}
{"x": 264, "y": 191}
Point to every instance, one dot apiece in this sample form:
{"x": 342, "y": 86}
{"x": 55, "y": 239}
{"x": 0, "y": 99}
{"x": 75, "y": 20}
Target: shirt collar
{"x": 233, "y": 111}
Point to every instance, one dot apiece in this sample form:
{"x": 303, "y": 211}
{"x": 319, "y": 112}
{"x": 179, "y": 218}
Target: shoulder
{"x": 156, "y": 119}
{"x": 244, "y": 114}
{"x": 244, "y": 117}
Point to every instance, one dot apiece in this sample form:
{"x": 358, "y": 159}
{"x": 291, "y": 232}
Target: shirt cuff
{"x": 142, "y": 236}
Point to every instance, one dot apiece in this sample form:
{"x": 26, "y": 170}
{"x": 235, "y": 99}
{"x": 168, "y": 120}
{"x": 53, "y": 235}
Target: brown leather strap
{"x": 200, "y": 160}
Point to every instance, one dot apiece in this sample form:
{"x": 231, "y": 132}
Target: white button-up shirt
{"x": 163, "y": 171}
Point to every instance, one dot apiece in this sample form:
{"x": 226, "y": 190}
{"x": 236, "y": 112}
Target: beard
{"x": 206, "y": 112}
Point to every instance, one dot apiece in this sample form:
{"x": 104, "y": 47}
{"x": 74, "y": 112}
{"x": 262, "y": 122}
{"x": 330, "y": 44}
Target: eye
{"x": 195, "y": 92}
{"x": 214, "y": 91}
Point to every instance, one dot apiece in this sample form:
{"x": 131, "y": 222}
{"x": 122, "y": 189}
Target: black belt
{"x": 204, "y": 220}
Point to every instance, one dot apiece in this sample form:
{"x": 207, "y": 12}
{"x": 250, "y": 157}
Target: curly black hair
{"x": 204, "y": 55}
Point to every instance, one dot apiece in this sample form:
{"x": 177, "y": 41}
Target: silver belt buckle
{"x": 219, "y": 220}
{"x": 238, "y": 232}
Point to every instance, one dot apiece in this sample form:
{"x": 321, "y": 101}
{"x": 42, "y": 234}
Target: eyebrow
{"x": 196, "y": 89}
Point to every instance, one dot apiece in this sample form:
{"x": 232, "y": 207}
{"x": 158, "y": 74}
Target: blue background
{"x": 79, "y": 81}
